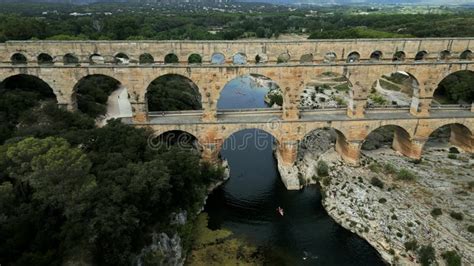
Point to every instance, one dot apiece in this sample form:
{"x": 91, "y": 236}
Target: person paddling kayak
{"x": 280, "y": 211}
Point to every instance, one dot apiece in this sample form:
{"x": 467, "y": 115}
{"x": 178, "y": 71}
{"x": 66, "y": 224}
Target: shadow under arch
{"x": 394, "y": 136}
{"x": 457, "y": 134}
{"x": 455, "y": 88}
{"x": 398, "y": 88}
{"x": 174, "y": 138}
{"x": 99, "y": 95}
{"x": 250, "y": 91}
{"x": 173, "y": 92}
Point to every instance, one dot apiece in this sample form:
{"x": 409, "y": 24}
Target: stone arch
{"x": 100, "y": 95}
{"x": 466, "y": 55}
{"x": 306, "y": 58}
{"x": 283, "y": 58}
{"x": 229, "y": 132}
{"x": 396, "y": 88}
{"x": 401, "y": 140}
{"x": 399, "y": 56}
{"x": 217, "y": 59}
{"x": 464, "y": 94}
{"x": 171, "y": 58}
{"x": 326, "y": 90}
{"x": 172, "y": 92}
{"x": 330, "y": 57}
{"x": 421, "y": 55}
{"x": 194, "y": 59}
{"x": 239, "y": 59}
{"x": 45, "y": 59}
{"x": 121, "y": 59}
{"x": 458, "y": 134}
{"x": 310, "y": 139}
{"x": 18, "y": 59}
{"x": 444, "y": 55}
{"x": 376, "y": 55}
{"x": 250, "y": 91}
{"x": 261, "y": 58}
{"x": 70, "y": 59}
{"x": 353, "y": 57}
{"x": 96, "y": 59}
{"x": 146, "y": 58}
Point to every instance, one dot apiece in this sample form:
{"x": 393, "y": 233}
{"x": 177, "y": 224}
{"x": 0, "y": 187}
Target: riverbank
{"x": 403, "y": 208}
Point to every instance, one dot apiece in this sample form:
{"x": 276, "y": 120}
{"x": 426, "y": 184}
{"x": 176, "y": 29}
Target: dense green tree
{"x": 172, "y": 93}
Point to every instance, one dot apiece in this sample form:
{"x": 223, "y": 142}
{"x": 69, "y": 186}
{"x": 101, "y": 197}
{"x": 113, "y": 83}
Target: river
{"x": 246, "y": 204}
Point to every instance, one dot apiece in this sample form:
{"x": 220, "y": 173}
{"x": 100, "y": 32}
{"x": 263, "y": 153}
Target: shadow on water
{"x": 305, "y": 235}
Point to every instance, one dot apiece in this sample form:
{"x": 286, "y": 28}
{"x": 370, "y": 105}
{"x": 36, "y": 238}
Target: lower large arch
{"x": 179, "y": 138}
{"x": 456, "y": 134}
{"x": 173, "y": 92}
{"x": 252, "y": 91}
{"x": 101, "y": 96}
{"x": 319, "y": 140}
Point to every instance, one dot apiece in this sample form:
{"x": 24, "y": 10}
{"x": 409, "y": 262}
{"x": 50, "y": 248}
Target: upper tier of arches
{"x": 43, "y": 58}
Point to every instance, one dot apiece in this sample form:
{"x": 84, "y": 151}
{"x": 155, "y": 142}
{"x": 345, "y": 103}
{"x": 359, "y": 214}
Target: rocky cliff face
{"x": 399, "y": 206}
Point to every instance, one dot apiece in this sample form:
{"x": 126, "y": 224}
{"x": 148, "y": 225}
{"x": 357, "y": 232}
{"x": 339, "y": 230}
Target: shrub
{"x": 452, "y": 156}
{"x": 453, "y": 150}
{"x": 399, "y": 234}
{"x": 470, "y": 229}
{"x": 426, "y": 255}
{"x": 376, "y": 182}
{"x": 436, "y": 212}
{"x": 390, "y": 169}
{"x": 382, "y": 200}
{"x": 411, "y": 245}
{"x": 375, "y": 167}
{"x": 406, "y": 175}
{"x": 451, "y": 258}
{"x": 326, "y": 181}
{"x": 323, "y": 169}
{"x": 456, "y": 215}
{"x": 394, "y": 217}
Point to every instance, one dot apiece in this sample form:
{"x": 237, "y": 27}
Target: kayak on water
{"x": 280, "y": 210}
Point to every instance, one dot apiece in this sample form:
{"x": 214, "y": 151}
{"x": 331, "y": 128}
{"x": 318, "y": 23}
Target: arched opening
{"x": 96, "y": 59}
{"x": 173, "y": 92}
{"x": 451, "y": 137}
{"x": 70, "y": 59}
{"x": 306, "y": 58}
{"x": 239, "y": 59}
{"x": 217, "y": 59}
{"x": 399, "y": 56}
{"x": 102, "y": 97}
{"x": 179, "y": 138}
{"x": 121, "y": 59}
{"x": 171, "y": 59}
{"x": 18, "y": 95}
{"x": 466, "y": 55}
{"x": 45, "y": 59}
{"x": 421, "y": 55}
{"x": 283, "y": 58}
{"x": 194, "y": 59}
{"x": 330, "y": 57}
{"x": 396, "y": 89}
{"x": 388, "y": 136}
{"x": 146, "y": 58}
{"x": 316, "y": 144}
{"x": 18, "y": 59}
{"x": 376, "y": 56}
{"x": 444, "y": 55}
{"x": 249, "y": 154}
{"x": 328, "y": 90}
{"x": 353, "y": 57}
{"x": 250, "y": 92}
{"x": 261, "y": 58}
{"x": 456, "y": 88}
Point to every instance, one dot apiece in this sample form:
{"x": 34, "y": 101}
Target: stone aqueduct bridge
{"x": 291, "y": 64}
